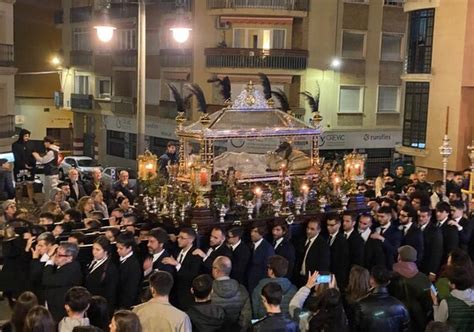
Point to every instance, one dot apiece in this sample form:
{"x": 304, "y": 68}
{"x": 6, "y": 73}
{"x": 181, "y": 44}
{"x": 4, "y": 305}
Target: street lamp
{"x": 335, "y": 63}
{"x": 180, "y": 34}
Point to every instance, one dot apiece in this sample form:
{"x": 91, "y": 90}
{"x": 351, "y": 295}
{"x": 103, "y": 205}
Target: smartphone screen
{"x": 324, "y": 279}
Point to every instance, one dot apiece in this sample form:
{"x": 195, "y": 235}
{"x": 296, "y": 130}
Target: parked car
{"x": 111, "y": 174}
{"x": 83, "y": 164}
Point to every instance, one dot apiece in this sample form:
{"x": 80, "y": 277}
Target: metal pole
{"x": 141, "y": 77}
{"x": 445, "y": 151}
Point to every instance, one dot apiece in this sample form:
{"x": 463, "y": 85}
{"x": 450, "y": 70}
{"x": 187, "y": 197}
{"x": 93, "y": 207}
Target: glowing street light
{"x": 181, "y": 35}
{"x": 105, "y": 33}
{"x": 56, "y": 60}
{"x": 336, "y": 63}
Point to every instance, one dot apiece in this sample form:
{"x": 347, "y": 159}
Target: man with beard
{"x": 170, "y": 157}
{"x": 24, "y": 165}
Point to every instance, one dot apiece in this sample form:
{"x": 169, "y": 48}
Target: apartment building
{"x": 293, "y": 41}
{"x": 439, "y": 73}
{"x": 7, "y": 77}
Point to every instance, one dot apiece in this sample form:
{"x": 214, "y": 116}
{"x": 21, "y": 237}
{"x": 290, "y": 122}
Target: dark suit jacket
{"x": 258, "y": 264}
{"x": 339, "y": 253}
{"x": 356, "y": 248}
{"x": 190, "y": 268}
{"x": 450, "y": 240}
{"x": 106, "y": 189}
{"x": 73, "y": 195}
{"x": 433, "y": 249}
{"x": 130, "y": 278}
{"x": 35, "y": 279}
{"x": 240, "y": 262}
{"x": 103, "y": 281}
{"x": 223, "y": 250}
{"x": 393, "y": 238}
{"x": 158, "y": 265}
{"x": 414, "y": 238}
{"x": 287, "y": 250}
{"x": 466, "y": 233}
{"x": 374, "y": 254}
{"x": 318, "y": 258}
{"x": 130, "y": 191}
{"x": 56, "y": 282}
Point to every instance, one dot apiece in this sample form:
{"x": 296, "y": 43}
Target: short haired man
{"x": 374, "y": 253}
{"x": 240, "y": 254}
{"x": 75, "y": 183}
{"x": 400, "y": 181}
{"x": 450, "y": 232}
{"x": 439, "y": 194}
{"x": 73, "y": 215}
{"x": 464, "y": 226}
{"x": 46, "y": 218}
{"x": 262, "y": 250}
{"x": 274, "y": 320}
{"x": 379, "y": 311}
{"x": 205, "y": 316}
{"x": 158, "y": 314}
{"x": 50, "y": 164}
{"x": 157, "y": 239}
{"x": 123, "y": 186}
{"x": 77, "y": 301}
{"x": 45, "y": 248}
{"x": 354, "y": 240}
{"x": 433, "y": 244}
{"x": 411, "y": 234}
{"x": 282, "y": 245}
{"x": 217, "y": 247}
{"x": 60, "y": 273}
{"x": 77, "y": 238}
{"x": 230, "y": 295}
{"x": 276, "y": 272}
{"x": 170, "y": 157}
{"x": 389, "y": 235}
{"x": 422, "y": 184}
{"x": 130, "y": 273}
{"x": 339, "y": 250}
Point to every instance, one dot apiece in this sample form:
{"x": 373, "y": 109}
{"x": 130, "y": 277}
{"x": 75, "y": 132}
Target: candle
{"x": 203, "y": 177}
{"x": 258, "y": 191}
{"x": 447, "y": 121}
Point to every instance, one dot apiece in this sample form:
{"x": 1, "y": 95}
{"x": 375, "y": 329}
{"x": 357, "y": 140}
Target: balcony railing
{"x": 123, "y": 104}
{"x": 256, "y": 58}
{"x": 123, "y": 10}
{"x": 125, "y": 58}
{"x": 7, "y": 126}
{"x": 80, "y": 58}
{"x": 175, "y": 57}
{"x": 82, "y": 101}
{"x": 261, "y": 4}
{"x": 171, "y": 5}
{"x": 397, "y": 3}
{"x": 80, "y": 14}
{"x": 7, "y": 57}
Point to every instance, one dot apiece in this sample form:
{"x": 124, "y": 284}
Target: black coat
{"x": 103, "y": 281}
{"x": 287, "y": 250}
{"x": 433, "y": 253}
{"x": 276, "y": 323}
{"x": 130, "y": 278}
{"x": 339, "y": 253}
{"x": 35, "y": 279}
{"x": 240, "y": 262}
{"x": 223, "y": 250}
{"x": 379, "y": 311}
{"x": 318, "y": 258}
{"x": 206, "y": 317}
{"x": 56, "y": 282}
{"x": 374, "y": 254}
{"x": 130, "y": 191}
{"x": 466, "y": 234}
{"x": 190, "y": 268}
{"x": 158, "y": 265}
{"x": 393, "y": 238}
{"x": 258, "y": 264}
{"x": 356, "y": 248}
{"x": 13, "y": 278}
{"x": 82, "y": 191}
{"x": 450, "y": 240}
{"x": 414, "y": 238}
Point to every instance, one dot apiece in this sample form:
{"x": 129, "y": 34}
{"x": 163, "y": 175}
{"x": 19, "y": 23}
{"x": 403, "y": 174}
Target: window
{"x": 239, "y": 38}
{"x": 259, "y": 38}
{"x": 397, "y": 3}
{"x": 391, "y": 47}
{"x": 81, "y": 39}
{"x": 420, "y": 41}
{"x": 178, "y": 86}
{"x": 351, "y": 99}
{"x": 388, "y": 99}
{"x": 353, "y": 44}
{"x": 278, "y": 40}
{"x": 123, "y": 145}
{"x": 416, "y": 114}
{"x": 81, "y": 84}
{"x": 103, "y": 87}
{"x": 126, "y": 39}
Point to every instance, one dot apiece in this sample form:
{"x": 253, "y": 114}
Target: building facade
{"x": 292, "y": 41}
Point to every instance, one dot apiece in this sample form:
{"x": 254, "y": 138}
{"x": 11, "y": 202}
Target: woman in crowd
{"x": 57, "y": 196}
{"x": 380, "y": 182}
{"x": 328, "y": 312}
{"x": 457, "y": 257}
{"x": 102, "y": 274}
{"x": 9, "y": 211}
{"x": 23, "y": 304}
{"x": 357, "y": 288}
{"x": 124, "y": 203}
{"x": 99, "y": 313}
{"x": 125, "y": 321}
{"x": 39, "y": 319}
{"x": 99, "y": 204}
{"x": 85, "y": 206}
{"x": 54, "y": 208}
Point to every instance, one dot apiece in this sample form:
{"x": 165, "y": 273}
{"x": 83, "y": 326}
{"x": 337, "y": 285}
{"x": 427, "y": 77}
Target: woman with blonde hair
{"x": 357, "y": 288}
{"x": 85, "y": 206}
{"x": 99, "y": 204}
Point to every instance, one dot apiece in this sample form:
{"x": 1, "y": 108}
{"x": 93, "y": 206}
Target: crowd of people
{"x": 90, "y": 261}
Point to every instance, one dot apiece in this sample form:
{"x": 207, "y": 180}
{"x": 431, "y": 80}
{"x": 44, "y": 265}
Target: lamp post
{"x": 180, "y": 34}
{"x": 445, "y": 150}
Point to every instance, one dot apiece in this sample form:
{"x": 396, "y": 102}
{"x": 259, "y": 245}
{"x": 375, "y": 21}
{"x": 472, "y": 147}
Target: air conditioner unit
{"x": 222, "y": 25}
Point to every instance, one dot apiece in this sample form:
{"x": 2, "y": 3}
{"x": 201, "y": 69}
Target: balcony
{"x": 124, "y": 58}
{"x": 58, "y": 17}
{"x": 298, "y": 5}
{"x": 123, "y": 10}
{"x": 7, "y": 126}
{"x": 80, "y": 14}
{"x": 80, "y": 58}
{"x": 123, "y": 104}
{"x": 170, "y": 5}
{"x": 7, "y": 58}
{"x": 291, "y": 59}
{"x": 81, "y": 101}
{"x": 175, "y": 57}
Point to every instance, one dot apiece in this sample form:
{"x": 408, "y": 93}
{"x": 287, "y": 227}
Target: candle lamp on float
{"x": 354, "y": 166}
{"x": 147, "y": 166}
{"x": 305, "y": 191}
{"x": 258, "y": 199}
{"x": 201, "y": 183}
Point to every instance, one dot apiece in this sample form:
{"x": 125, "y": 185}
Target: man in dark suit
{"x": 449, "y": 232}
{"x": 412, "y": 235}
{"x": 75, "y": 185}
{"x": 373, "y": 250}
{"x": 282, "y": 246}
{"x": 45, "y": 247}
{"x": 388, "y": 234}
{"x": 60, "y": 273}
{"x": 339, "y": 251}
{"x": 240, "y": 254}
{"x": 354, "y": 240}
{"x": 433, "y": 244}
{"x": 261, "y": 251}
{"x": 124, "y": 187}
{"x": 313, "y": 253}
{"x": 217, "y": 247}
{"x": 96, "y": 183}
{"x": 130, "y": 272}
{"x": 187, "y": 268}
{"x": 464, "y": 225}
{"x": 157, "y": 239}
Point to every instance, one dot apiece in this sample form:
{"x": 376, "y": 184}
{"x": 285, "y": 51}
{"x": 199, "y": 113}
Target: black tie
{"x": 382, "y": 230}
{"x": 404, "y": 229}
{"x": 346, "y": 235}
{"x": 306, "y": 246}
{"x": 180, "y": 258}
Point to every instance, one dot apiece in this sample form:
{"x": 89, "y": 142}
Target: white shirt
{"x": 277, "y": 242}
{"x": 384, "y": 228}
{"x": 44, "y": 258}
{"x": 123, "y": 259}
{"x": 310, "y": 243}
{"x": 365, "y": 234}
{"x": 233, "y": 246}
{"x": 422, "y": 227}
{"x": 332, "y": 238}
{"x": 97, "y": 264}
{"x": 256, "y": 244}
{"x": 182, "y": 256}
{"x": 157, "y": 256}
{"x": 441, "y": 223}
{"x": 406, "y": 227}
{"x": 209, "y": 252}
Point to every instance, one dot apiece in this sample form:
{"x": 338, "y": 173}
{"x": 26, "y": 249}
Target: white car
{"x": 83, "y": 164}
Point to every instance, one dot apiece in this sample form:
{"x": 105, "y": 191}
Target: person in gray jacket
{"x": 276, "y": 271}
{"x": 231, "y": 296}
